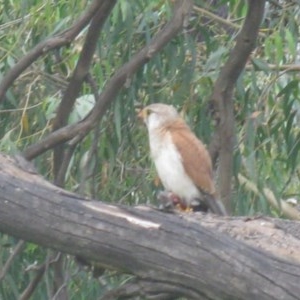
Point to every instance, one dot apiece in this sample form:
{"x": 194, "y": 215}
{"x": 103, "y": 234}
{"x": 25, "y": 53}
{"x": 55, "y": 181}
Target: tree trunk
{"x": 170, "y": 255}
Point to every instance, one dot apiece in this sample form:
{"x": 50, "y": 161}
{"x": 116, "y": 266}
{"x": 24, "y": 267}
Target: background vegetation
{"x": 112, "y": 162}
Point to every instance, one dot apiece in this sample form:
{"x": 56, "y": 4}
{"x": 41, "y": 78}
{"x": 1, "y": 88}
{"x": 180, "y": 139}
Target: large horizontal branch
{"x": 206, "y": 264}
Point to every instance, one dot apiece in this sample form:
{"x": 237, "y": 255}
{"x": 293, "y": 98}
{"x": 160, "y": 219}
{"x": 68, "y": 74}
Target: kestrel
{"x": 182, "y": 162}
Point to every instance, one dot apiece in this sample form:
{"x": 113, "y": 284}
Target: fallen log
{"x": 171, "y": 255}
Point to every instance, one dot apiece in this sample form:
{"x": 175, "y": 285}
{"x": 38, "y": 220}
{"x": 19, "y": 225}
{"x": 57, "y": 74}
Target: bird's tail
{"x": 215, "y": 205}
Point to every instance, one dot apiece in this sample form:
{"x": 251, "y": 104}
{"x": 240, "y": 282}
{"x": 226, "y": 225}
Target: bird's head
{"x": 157, "y": 115}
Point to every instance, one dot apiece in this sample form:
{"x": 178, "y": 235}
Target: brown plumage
{"x": 195, "y": 157}
{"x": 182, "y": 161}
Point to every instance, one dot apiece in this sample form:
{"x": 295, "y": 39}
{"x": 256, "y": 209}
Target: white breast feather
{"x": 169, "y": 167}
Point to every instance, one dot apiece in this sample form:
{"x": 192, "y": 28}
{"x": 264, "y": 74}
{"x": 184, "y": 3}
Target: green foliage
{"x": 112, "y": 163}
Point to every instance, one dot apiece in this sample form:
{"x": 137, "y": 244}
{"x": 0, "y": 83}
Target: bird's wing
{"x": 195, "y": 157}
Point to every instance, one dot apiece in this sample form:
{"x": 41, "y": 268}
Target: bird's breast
{"x": 169, "y": 166}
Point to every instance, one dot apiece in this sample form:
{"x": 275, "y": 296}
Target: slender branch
{"x": 283, "y": 207}
{"x": 19, "y": 247}
{"x": 219, "y": 19}
{"x": 115, "y": 84}
{"x": 40, "y": 271}
{"x": 79, "y": 76}
{"x": 44, "y": 47}
{"x": 57, "y": 137}
{"x": 27, "y": 293}
{"x": 67, "y": 155}
{"x": 171, "y": 29}
{"x": 83, "y": 65}
{"x": 283, "y": 67}
{"x": 92, "y": 157}
{"x": 59, "y": 288}
{"x": 222, "y": 143}
{"x": 216, "y": 17}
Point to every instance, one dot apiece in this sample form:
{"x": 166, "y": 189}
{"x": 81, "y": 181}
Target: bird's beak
{"x": 142, "y": 114}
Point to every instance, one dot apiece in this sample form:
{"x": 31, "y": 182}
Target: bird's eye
{"x": 144, "y": 113}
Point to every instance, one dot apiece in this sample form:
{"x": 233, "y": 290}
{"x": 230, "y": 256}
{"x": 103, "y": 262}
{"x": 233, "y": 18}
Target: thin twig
{"x": 64, "y": 38}
{"x": 40, "y": 271}
{"x": 27, "y": 293}
{"x": 279, "y": 204}
{"x": 87, "y": 172}
{"x": 220, "y": 19}
{"x": 216, "y": 17}
{"x": 19, "y": 247}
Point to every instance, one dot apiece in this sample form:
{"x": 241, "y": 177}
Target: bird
{"x": 181, "y": 160}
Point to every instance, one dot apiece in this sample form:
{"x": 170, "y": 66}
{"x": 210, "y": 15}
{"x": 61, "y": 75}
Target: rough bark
{"x": 169, "y": 254}
{"x": 222, "y": 144}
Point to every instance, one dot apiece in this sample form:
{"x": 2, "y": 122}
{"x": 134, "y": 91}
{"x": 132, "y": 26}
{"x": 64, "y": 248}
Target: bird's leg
{"x": 180, "y": 203}
{"x": 184, "y": 208}
{"x": 168, "y": 201}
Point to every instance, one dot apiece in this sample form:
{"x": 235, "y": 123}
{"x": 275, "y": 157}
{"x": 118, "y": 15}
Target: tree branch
{"x": 40, "y": 270}
{"x": 287, "y": 210}
{"x": 114, "y": 85}
{"x": 44, "y": 47}
{"x": 27, "y": 293}
{"x": 79, "y": 75}
{"x": 19, "y": 248}
{"x": 222, "y": 143}
{"x": 145, "y": 242}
